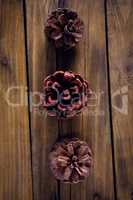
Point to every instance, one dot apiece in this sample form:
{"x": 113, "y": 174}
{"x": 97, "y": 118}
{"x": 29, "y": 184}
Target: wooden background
{"x": 105, "y": 58}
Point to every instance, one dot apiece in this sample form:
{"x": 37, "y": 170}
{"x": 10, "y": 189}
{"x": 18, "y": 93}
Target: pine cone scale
{"x": 64, "y": 27}
{"x": 70, "y": 167}
{"x": 65, "y": 93}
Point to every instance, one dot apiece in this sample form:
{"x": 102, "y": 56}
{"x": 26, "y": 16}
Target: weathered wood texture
{"x": 120, "y": 38}
{"x": 104, "y": 58}
{"x": 89, "y": 59}
{"x": 42, "y": 61}
{"x": 93, "y": 125}
{"x": 15, "y": 167}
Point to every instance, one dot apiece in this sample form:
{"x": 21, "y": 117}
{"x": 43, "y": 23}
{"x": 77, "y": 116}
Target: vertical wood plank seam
{"x": 58, "y": 195}
{"x": 110, "y": 100}
{"x": 28, "y": 89}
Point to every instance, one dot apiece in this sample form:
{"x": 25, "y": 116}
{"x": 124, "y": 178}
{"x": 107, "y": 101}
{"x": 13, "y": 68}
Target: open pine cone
{"x": 71, "y": 160}
{"x": 65, "y": 94}
{"x": 64, "y": 27}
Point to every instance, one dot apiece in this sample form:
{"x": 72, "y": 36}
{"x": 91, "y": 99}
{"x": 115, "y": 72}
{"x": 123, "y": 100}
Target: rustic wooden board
{"x": 42, "y": 62}
{"x": 104, "y": 58}
{"x": 120, "y": 31}
{"x": 15, "y": 167}
{"x": 89, "y": 59}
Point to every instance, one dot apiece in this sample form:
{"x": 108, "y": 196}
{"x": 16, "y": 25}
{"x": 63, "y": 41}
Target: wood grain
{"x": 104, "y": 58}
{"x": 42, "y": 62}
{"x": 120, "y": 32}
{"x": 94, "y": 125}
{"x": 15, "y": 167}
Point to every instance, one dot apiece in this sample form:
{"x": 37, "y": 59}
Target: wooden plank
{"x": 42, "y": 62}
{"x": 120, "y": 34}
{"x": 93, "y": 125}
{"x": 15, "y": 167}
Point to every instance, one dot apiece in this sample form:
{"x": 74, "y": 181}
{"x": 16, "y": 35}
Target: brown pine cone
{"x": 65, "y": 94}
{"x": 64, "y": 27}
{"x": 71, "y": 160}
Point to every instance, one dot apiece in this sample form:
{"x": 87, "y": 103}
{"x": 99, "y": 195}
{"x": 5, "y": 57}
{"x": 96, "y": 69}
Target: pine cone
{"x": 65, "y": 94}
{"x": 64, "y": 27}
{"x": 71, "y": 160}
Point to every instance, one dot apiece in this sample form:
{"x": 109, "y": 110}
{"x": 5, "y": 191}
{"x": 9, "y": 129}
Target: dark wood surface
{"x": 105, "y": 58}
{"x": 15, "y": 156}
{"x": 120, "y": 40}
